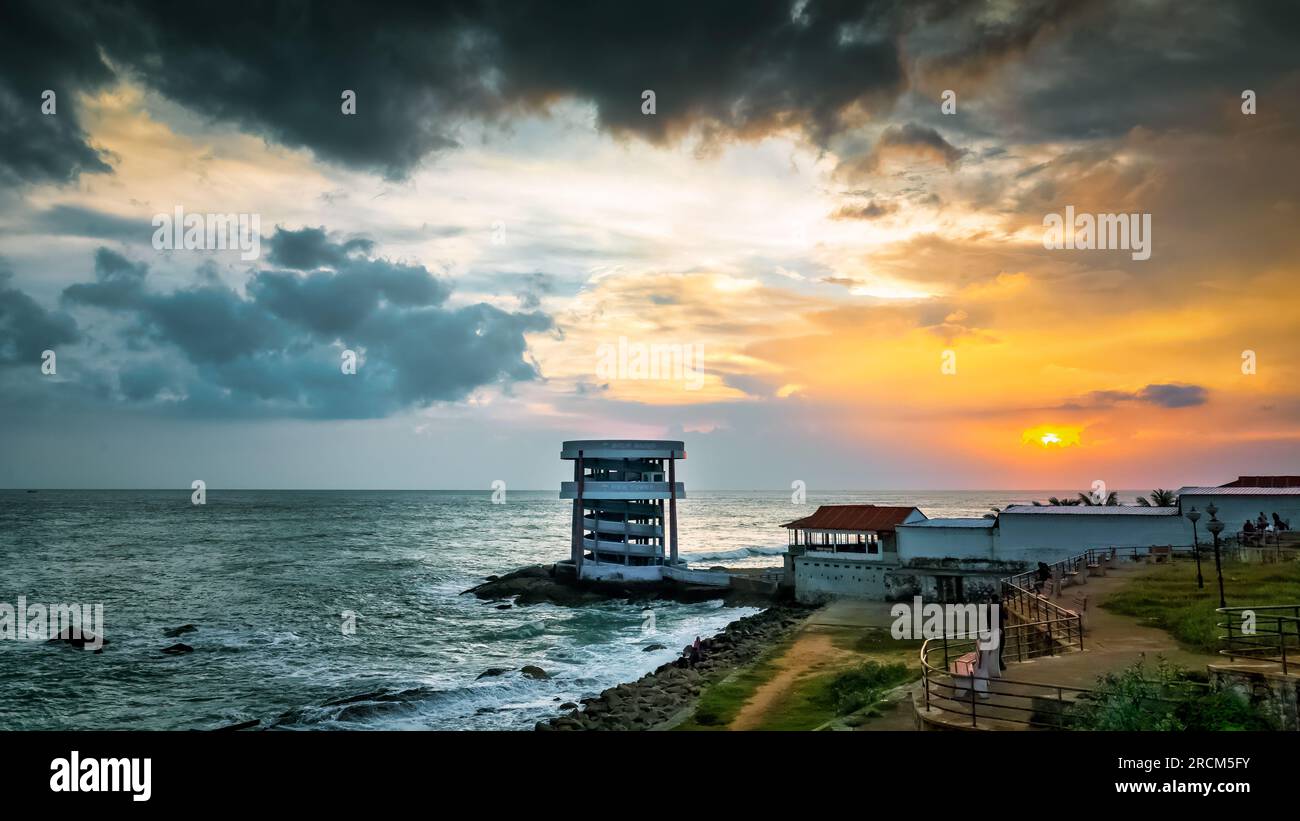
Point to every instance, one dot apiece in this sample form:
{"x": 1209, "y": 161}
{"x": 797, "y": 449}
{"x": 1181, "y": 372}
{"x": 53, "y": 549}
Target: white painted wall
{"x": 945, "y": 542}
{"x": 617, "y": 572}
{"x": 818, "y": 579}
{"x": 1024, "y": 536}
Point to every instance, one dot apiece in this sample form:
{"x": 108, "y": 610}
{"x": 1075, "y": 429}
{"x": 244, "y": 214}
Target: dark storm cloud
{"x": 420, "y": 69}
{"x": 310, "y": 248}
{"x": 1036, "y": 71}
{"x": 277, "y": 348}
{"x": 72, "y": 220}
{"x": 46, "y": 47}
{"x": 119, "y": 283}
{"x": 729, "y": 69}
{"x": 1160, "y": 395}
{"x": 27, "y": 329}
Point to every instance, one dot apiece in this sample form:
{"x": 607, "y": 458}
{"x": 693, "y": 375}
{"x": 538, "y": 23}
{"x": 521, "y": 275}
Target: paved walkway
{"x": 1111, "y": 643}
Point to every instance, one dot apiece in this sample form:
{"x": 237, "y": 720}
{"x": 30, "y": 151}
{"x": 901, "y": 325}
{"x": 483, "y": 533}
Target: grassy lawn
{"x": 870, "y": 664}
{"x": 1168, "y": 598}
{"x": 720, "y": 701}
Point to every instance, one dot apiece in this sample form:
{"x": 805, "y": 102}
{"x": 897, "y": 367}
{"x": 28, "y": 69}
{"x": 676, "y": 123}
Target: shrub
{"x": 1163, "y": 699}
{"x": 865, "y": 685}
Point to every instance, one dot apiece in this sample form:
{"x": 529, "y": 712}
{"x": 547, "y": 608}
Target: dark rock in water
{"x": 243, "y": 725}
{"x": 178, "y": 649}
{"x": 376, "y": 695}
{"x": 568, "y": 705}
{"x": 533, "y": 671}
{"x": 173, "y": 632}
{"x": 651, "y": 647}
{"x": 84, "y": 640}
{"x": 494, "y": 671}
{"x": 505, "y": 606}
{"x": 482, "y": 711}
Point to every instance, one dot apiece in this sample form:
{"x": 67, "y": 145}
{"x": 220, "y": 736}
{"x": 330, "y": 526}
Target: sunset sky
{"x": 799, "y": 207}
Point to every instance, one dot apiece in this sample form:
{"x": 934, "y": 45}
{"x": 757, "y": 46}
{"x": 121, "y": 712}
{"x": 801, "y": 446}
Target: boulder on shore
{"x": 533, "y": 671}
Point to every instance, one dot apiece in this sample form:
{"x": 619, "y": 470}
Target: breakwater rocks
{"x": 657, "y": 697}
{"x": 543, "y": 583}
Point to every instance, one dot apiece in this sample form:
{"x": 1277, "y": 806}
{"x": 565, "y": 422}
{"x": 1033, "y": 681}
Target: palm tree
{"x": 1159, "y": 498}
{"x": 1052, "y": 501}
{"x": 1111, "y": 500}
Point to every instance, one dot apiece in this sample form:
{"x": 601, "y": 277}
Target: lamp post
{"x": 1196, "y": 545}
{"x": 1216, "y": 527}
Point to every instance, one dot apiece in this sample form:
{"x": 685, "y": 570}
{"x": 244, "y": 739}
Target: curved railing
{"x": 1269, "y": 633}
{"x": 956, "y": 690}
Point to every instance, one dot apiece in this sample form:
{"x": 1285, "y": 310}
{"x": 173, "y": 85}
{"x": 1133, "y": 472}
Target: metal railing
{"x": 1274, "y": 634}
{"x": 1044, "y": 628}
{"x": 994, "y": 698}
{"x": 1056, "y": 625}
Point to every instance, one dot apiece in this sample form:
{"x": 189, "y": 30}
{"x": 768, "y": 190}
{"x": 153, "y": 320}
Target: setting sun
{"x": 1051, "y": 436}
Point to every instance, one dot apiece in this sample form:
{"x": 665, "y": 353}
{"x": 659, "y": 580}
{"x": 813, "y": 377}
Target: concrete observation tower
{"x": 624, "y": 496}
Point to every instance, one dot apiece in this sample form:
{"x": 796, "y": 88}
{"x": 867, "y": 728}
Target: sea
{"x": 335, "y": 610}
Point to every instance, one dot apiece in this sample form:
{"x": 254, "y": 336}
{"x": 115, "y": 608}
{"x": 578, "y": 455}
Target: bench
{"x": 1159, "y": 555}
{"x": 963, "y": 669}
{"x": 965, "y": 664}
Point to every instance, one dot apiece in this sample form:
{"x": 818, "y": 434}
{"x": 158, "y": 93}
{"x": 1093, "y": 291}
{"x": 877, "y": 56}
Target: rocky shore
{"x": 658, "y": 697}
{"x": 542, "y": 583}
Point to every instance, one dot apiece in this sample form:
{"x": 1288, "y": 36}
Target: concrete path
{"x": 1111, "y": 642}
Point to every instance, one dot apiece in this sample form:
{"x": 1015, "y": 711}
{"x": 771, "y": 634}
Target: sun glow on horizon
{"x": 1051, "y": 436}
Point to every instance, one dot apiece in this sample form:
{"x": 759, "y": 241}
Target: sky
{"x": 829, "y": 219}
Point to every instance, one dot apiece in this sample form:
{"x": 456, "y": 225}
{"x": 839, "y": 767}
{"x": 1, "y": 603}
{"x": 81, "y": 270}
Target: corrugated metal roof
{"x": 1239, "y": 491}
{"x": 952, "y": 523}
{"x": 1091, "y": 510}
{"x": 1265, "y": 481}
{"x": 853, "y": 517}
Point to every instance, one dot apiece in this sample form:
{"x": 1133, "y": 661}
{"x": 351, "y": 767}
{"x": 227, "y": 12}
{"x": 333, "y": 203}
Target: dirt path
{"x": 810, "y": 653}
{"x": 815, "y": 650}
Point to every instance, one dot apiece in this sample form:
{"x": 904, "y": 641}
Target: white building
{"x": 624, "y": 496}
{"x": 1049, "y": 533}
{"x": 844, "y": 550}
{"x": 1243, "y": 499}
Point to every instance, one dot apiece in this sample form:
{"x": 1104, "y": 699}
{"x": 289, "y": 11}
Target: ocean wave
{"x": 737, "y": 553}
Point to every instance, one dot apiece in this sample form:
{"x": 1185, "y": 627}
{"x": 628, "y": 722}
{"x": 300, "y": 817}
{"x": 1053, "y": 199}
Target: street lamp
{"x": 1194, "y": 516}
{"x": 1216, "y": 527}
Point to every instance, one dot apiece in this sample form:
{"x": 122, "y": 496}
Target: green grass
{"x": 721, "y": 701}
{"x": 879, "y": 663}
{"x": 853, "y": 695}
{"x": 1168, "y": 598}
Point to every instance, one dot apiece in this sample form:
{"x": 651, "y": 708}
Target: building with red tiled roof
{"x": 842, "y": 548}
{"x": 856, "y": 518}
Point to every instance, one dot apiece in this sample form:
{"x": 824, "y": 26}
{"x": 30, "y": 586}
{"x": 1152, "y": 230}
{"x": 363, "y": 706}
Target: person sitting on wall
{"x": 1248, "y": 533}
{"x": 1278, "y": 524}
{"x": 1044, "y": 575}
